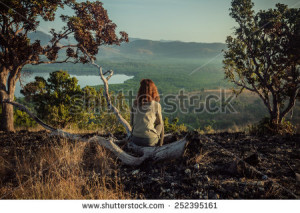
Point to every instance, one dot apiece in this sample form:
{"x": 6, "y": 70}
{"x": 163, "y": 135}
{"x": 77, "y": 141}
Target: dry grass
{"x": 70, "y": 129}
{"x": 31, "y": 129}
{"x": 63, "y": 171}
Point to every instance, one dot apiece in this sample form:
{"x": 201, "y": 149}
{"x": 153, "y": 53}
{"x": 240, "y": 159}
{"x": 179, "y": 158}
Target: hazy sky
{"x": 184, "y": 20}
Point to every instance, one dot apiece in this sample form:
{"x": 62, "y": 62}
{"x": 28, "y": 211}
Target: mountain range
{"x": 138, "y": 48}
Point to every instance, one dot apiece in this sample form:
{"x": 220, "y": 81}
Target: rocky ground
{"x": 216, "y": 166}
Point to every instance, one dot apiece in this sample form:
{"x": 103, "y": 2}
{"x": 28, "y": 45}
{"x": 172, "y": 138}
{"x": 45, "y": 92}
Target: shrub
{"x": 266, "y": 127}
{"x": 174, "y": 126}
{"x": 22, "y": 119}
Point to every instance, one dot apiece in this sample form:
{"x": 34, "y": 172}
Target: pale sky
{"x": 183, "y": 20}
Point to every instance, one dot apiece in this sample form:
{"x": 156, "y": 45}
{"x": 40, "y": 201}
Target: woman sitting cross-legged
{"x": 145, "y": 118}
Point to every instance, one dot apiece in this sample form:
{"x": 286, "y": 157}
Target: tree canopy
{"x": 90, "y": 26}
{"x": 263, "y": 56}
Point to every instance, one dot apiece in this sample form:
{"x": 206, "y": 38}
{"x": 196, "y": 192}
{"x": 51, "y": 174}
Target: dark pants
{"x": 144, "y": 141}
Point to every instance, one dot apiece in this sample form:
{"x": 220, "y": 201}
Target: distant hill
{"x": 171, "y": 49}
{"x": 38, "y": 35}
{"x": 142, "y": 48}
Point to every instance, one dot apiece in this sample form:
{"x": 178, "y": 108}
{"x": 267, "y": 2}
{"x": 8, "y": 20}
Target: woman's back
{"x": 145, "y": 118}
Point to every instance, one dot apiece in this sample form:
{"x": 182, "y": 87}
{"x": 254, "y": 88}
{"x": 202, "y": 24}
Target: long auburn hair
{"x": 147, "y": 92}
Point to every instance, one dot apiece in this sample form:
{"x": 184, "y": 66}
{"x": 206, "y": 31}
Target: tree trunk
{"x": 275, "y": 115}
{"x": 275, "y": 118}
{"x": 291, "y": 104}
{"x": 7, "y": 91}
{"x": 7, "y": 117}
{"x": 7, "y": 114}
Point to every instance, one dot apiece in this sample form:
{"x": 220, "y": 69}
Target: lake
{"x": 83, "y": 80}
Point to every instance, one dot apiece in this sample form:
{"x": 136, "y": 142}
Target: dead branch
{"x": 107, "y": 96}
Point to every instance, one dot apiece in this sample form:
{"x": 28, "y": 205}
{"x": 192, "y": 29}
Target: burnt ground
{"x": 215, "y": 166}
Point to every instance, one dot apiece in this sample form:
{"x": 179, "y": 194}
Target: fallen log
{"x": 169, "y": 151}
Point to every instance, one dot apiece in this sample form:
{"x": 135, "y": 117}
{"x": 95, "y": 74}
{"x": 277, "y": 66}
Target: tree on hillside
{"x": 89, "y": 25}
{"x": 55, "y": 99}
{"x": 264, "y": 55}
{"x": 60, "y": 102}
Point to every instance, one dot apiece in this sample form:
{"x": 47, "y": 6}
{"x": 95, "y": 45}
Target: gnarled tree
{"x": 90, "y": 26}
{"x": 264, "y": 55}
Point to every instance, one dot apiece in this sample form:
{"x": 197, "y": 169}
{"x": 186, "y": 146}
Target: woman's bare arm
{"x": 159, "y": 125}
{"x": 162, "y": 135}
{"x": 131, "y": 118}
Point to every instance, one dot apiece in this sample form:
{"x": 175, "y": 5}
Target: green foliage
{"x": 206, "y": 130}
{"x": 22, "y": 119}
{"x": 266, "y": 127}
{"x": 55, "y": 100}
{"x": 174, "y": 126}
{"x": 61, "y": 102}
{"x": 97, "y": 115}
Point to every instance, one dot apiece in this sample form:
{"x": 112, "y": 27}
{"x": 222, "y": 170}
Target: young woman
{"x": 145, "y": 118}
